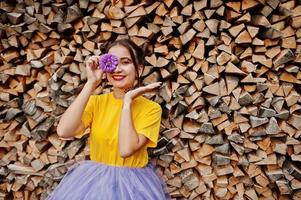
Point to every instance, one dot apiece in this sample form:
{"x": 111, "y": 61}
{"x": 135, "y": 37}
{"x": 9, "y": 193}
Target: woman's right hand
{"x": 94, "y": 73}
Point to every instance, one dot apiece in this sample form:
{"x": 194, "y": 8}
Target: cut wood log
{"x": 230, "y": 97}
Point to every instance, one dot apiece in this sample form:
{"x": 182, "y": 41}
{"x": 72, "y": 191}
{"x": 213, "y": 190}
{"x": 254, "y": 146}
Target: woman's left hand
{"x": 132, "y": 94}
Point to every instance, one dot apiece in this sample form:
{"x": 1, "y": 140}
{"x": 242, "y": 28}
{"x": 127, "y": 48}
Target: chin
{"x": 120, "y": 87}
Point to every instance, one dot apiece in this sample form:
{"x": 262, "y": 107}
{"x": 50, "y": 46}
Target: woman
{"x": 123, "y": 125}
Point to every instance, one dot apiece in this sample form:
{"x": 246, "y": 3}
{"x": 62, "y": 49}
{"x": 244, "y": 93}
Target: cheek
{"x": 131, "y": 72}
{"x": 132, "y": 77}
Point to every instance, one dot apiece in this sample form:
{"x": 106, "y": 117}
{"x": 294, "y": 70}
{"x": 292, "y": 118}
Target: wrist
{"x": 127, "y": 102}
{"x": 90, "y": 86}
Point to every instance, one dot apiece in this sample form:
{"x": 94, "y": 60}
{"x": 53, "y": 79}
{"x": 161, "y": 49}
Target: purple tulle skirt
{"x": 91, "y": 180}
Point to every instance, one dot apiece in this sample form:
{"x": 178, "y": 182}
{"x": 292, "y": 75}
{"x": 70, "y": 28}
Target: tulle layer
{"x": 90, "y": 180}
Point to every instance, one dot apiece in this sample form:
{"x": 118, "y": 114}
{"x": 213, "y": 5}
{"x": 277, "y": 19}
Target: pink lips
{"x": 118, "y": 77}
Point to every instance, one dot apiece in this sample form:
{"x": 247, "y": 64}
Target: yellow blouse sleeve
{"x": 148, "y": 124}
{"x": 87, "y": 115}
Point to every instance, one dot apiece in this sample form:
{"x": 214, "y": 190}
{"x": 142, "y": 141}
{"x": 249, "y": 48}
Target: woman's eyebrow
{"x": 122, "y": 58}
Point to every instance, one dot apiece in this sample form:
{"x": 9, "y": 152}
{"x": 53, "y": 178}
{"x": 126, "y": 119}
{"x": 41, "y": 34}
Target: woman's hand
{"x": 132, "y": 94}
{"x": 94, "y": 73}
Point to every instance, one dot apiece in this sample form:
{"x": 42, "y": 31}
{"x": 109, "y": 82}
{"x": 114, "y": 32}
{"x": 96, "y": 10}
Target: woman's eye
{"x": 125, "y": 62}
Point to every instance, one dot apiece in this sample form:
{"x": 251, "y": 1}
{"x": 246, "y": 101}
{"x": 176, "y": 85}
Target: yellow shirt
{"x": 102, "y": 114}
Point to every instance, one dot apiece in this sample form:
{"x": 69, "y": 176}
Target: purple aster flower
{"x": 108, "y": 62}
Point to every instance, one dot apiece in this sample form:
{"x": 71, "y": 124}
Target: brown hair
{"x": 137, "y": 53}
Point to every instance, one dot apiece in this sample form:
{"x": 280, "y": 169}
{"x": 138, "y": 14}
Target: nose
{"x": 118, "y": 68}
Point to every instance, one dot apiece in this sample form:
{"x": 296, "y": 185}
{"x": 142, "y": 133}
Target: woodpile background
{"x": 231, "y": 124}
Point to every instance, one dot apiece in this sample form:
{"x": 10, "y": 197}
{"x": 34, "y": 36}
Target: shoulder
{"x": 98, "y": 98}
{"x": 148, "y": 105}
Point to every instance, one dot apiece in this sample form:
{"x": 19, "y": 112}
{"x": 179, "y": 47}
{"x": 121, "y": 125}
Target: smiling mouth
{"x": 118, "y": 77}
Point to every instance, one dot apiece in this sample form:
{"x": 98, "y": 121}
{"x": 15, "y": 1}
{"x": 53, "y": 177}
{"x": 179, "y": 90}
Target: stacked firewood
{"x": 231, "y": 123}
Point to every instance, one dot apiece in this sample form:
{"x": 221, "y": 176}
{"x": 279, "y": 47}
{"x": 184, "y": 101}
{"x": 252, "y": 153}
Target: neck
{"x": 118, "y": 94}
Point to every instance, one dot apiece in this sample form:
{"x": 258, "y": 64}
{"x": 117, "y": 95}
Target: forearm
{"x": 71, "y": 118}
{"x": 128, "y": 138}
